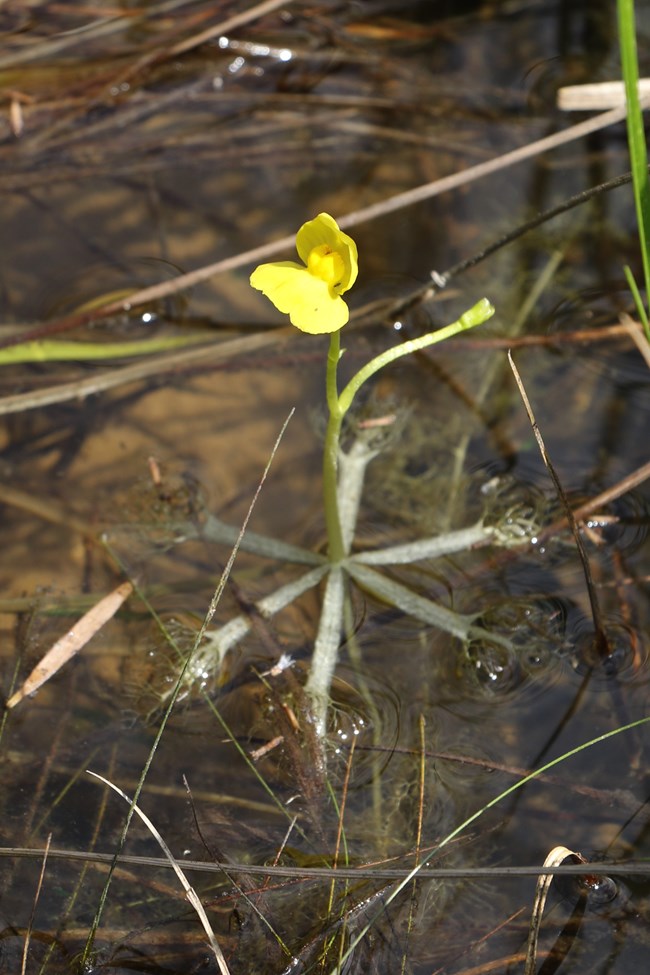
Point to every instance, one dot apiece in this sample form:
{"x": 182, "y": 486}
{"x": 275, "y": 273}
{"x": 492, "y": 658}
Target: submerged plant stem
{"x": 336, "y": 549}
{"x": 326, "y": 648}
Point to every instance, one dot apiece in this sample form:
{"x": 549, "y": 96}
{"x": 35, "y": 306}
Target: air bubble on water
{"x": 259, "y": 50}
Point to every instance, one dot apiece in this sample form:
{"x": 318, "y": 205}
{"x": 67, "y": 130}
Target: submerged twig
{"x": 601, "y": 641}
{"x": 74, "y": 640}
{"x": 37, "y": 894}
{"x": 627, "y": 483}
{"x": 618, "y": 868}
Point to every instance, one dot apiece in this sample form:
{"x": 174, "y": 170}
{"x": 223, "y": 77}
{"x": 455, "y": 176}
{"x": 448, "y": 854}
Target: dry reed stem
{"x": 636, "y": 333}
{"x": 37, "y": 894}
{"x": 630, "y": 868}
{"x": 597, "y": 96}
{"x": 74, "y": 640}
{"x": 557, "y": 855}
{"x": 191, "y": 894}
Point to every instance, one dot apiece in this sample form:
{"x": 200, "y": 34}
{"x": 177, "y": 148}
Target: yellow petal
{"x": 276, "y": 282}
{"x": 329, "y": 315}
{"x": 306, "y": 299}
{"x": 324, "y": 229}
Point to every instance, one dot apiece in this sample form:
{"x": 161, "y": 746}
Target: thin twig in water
{"x": 632, "y": 868}
{"x": 628, "y": 483}
{"x": 37, "y": 895}
{"x": 601, "y": 642}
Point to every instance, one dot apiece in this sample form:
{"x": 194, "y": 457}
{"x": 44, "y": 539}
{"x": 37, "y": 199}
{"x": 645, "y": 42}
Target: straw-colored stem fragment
{"x": 191, "y": 894}
{"x": 73, "y": 641}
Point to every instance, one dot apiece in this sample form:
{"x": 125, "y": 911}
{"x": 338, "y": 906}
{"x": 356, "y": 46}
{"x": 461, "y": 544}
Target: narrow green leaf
{"x": 636, "y": 134}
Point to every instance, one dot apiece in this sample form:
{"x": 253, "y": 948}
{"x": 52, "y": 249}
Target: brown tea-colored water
{"x": 126, "y": 162}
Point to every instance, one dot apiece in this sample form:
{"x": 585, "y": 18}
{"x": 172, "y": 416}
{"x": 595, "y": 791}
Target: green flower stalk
{"x": 310, "y": 293}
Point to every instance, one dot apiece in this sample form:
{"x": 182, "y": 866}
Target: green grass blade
{"x": 636, "y": 134}
{"x": 638, "y": 300}
{"x": 471, "y": 819}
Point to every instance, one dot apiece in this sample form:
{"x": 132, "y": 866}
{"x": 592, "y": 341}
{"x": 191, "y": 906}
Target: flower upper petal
{"x": 307, "y": 300}
{"x": 324, "y": 229}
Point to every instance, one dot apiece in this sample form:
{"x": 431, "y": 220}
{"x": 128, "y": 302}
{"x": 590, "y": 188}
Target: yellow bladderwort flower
{"x": 311, "y": 295}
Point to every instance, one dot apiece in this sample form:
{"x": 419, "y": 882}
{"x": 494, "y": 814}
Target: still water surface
{"x": 135, "y": 164}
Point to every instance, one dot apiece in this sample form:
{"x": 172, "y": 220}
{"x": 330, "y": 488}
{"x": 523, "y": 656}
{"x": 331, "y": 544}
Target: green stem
{"x": 46, "y": 350}
{"x": 636, "y": 135}
{"x": 475, "y": 316}
{"x": 339, "y": 405}
{"x": 336, "y": 549}
{"x": 638, "y": 301}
